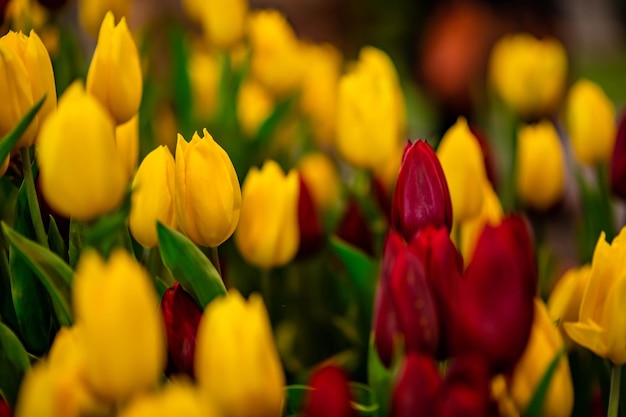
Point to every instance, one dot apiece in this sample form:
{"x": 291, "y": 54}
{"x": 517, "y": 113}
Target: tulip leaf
{"x": 536, "y": 402}
{"x": 181, "y": 82}
{"x": 8, "y": 142}
{"x": 364, "y": 400}
{"x": 294, "y": 398}
{"x": 379, "y": 378}
{"x": 268, "y": 127}
{"x": 76, "y": 241}
{"x": 55, "y": 241}
{"x": 13, "y": 362}
{"x": 189, "y": 266}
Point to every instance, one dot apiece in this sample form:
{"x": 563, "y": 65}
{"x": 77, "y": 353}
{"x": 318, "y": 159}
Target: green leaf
{"x": 364, "y": 400}
{"x": 189, "y": 266}
{"x": 55, "y": 241}
{"x": 8, "y": 142}
{"x": 109, "y": 231}
{"x": 379, "y": 378}
{"x": 76, "y": 241}
{"x": 13, "y": 362}
{"x": 267, "y": 129}
{"x": 181, "y": 82}
{"x": 536, "y": 402}
{"x": 294, "y": 396}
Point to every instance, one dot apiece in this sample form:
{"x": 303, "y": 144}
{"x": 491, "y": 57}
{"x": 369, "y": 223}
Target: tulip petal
{"x": 614, "y": 322}
{"x": 589, "y": 335}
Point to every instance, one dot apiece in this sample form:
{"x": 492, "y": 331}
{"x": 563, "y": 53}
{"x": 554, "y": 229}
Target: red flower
{"x": 5, "y": 408}
{"x": 329, "y": 395}
{"x": 416, "y": 388}
{"x": 311, "y": 238}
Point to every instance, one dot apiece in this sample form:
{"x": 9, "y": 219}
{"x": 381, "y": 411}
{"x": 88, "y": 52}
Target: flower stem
{"x": 31, "y": 196}
{"x": 215, "y": 260}
{"x": 616, "y": 374}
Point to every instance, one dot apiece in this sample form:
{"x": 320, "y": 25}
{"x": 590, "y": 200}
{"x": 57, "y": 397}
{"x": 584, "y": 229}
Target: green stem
{"x": 215, "y": 260}
{"x": 616, "y": 374}
{"x": 31, "y": 196}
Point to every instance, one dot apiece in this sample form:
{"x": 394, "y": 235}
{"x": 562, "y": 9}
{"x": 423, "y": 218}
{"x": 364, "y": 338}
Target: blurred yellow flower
{"x": 529, "y": 74}
{"x": 490, "y": 214}
{"x": 321, "y": 176}
{"x": 268, "y": 234}
{"x": 25, "y": 15}
{"x": 177, "y": 399}
{"x": 236, "y": 361}
{"x": 127, "y": 141}
{"x": 81, "y": 172}
{"x": 540, "y": 165}
{"x": 590, "y": 121}
{"x": 254, "y": 106}
{"x": 208, "y": 196}
{"x": 114, "y": 76}
{"x": 92, "y": 12}
{"x": 153, "y": 196}
{"x": 223, "y": 21}
{"x": 122, "y": 329}
{"x": 204, "y": 75}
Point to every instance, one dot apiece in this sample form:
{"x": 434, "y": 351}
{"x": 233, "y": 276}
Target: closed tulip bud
{"x": 236, "y": 360}
{"x": 354, "y": 229}
{"x": 254, "y": 106}
{"x": 175, "y": 400}
{"x": 329, "y": 395}
{"x": 529, "y": 74}
{"x": 26, "y": 70}
{"x": 491, "y": 214}
{"x": 208, "y": 197}
{"x": 590, "y": 122}
{"x": 223, "y": 21}
{"x": 122, "y": 329}
{"x": 92, "y": 12}
{"x": 618, "y": 161}
{"x": 368, "y": 112}
{"x": 114, "y": 76}
{"x": 127, "y": 140}
{"x": 601, "y": 327}
{"x": 462, "y": 162}
{"x": 81, "y": 171}
{"x": 204, "y": 76}
{"x": 322, "y": 178}
{"x": 268, "y": 234}
{"x": 152, "y": 200}
{"x": 416, "y": 387}
{"x": 421, "y": 196}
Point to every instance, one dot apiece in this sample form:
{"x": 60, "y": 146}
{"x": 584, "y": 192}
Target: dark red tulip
{"x": 353, "y": 228}
{"x": 618, "y": 161}
{"x": 329, "y": 395}
{"x": 416, "y": 387}
{"x": 5, "y": 408}
{"x": 421, "y": 196}
{"x": 181, "y": 315}
{"x": 311, "y": 238}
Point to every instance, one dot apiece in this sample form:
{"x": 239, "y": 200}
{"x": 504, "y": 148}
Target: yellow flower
{"x": 490, "y": 214}
{"x": 223, "y": 21}
{"x": 254, "y": 106}
{"x": 276, "y": 61}
{"x": 91, "y": 12}
{"x": 127, "y": 141}
{"x": 81, "y": 171}
{"x": 114, "y": 75}
{"x": 321, "y": 176}
{"x": 540, "y": 165}
{"x": 204, "y": 75}
{"x": 268, "y": 234}
{"x": 529, "y": 74}
{"x": 122, "y": 329}
{"x": 153, "y": 196}
{"x": 567, "y": 294}
{"x": 368, "y": 111}
{"x": 25, "y": 15}
{"x": 462, "y": 162}
{"x": 175, "y": 400}
{"x": 544, "y": 343}
{"x": 601, "y": 326}
{"x": 27, "y": 76}
{"x": 234, "y": 340}
{"x": 208, "y": 197}
{"x": 590, "y": 121}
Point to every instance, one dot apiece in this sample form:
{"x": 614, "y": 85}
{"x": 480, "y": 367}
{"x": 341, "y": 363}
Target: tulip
{"x": 590, "y": 122}
{"x": 123, "y": 334}
{"x": 618, "y": 161}
{"x": 207, "y": 193}
{"x": 82, "y": 174}
{"x": 491, "y": 213}
{"x": 152, "y": 200}
{"x": 127, "y": 140}
{"x": 114, "y": 76}
{"x": 322, "y": 178}
{"x": 311, "y": 238}
{"x": 567, "y": 294}
{"x": 27, "y": 75}
{"x": 92, "y": 12}
{"x": 223, "y": 21}
{"x": 540, "y": 165}
{"x": 329, "y": 395}
{"x": 529, "y": 74}
{"x": 421, "y": 196}
{"x": 462, "y": 162}
{"x": 175, "y": 400}
{"x": 600, "y": 326}
{"x": 268, "y": 235}
{"x": 254, "y": 106}
{"x": 236, "y": 360}
{"x": 354, "y": 229}
{"x": 204, "y": 77}
{"x": 416, "y": 387}
{"x": 5, "y": 408}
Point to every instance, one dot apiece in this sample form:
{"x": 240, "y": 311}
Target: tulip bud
{"x": 81, "y": 171}
{"x": 208, "y": 197}
{"x": 618, "y": 161}
{"x": 152, "y": 200}
{"x": 223, "y": 21}
{"x": 181, "y": 315}
{"x": 175, "y": 399}
{"x": 204, "y": 76}
{"x": 416, "y": 387}
{"x": 590, "y": 121}
{"x": 235, "y": 339}
{"x": 421, "y": 196}
{"x": 322, "y": 178}
{"x": 122, "y": 330}
{"x": 354, "y": 229}
{"x": 92, "y": 12}
{"x": 254, "y": 106}
{"x": 268, "y": 234}
{"x": 127, "y": 140}
{"x": 27, "y": 75}
{"x": 311, "y": 238}
{"x": 114, "y": 76}
{"x": 329, "y": 395}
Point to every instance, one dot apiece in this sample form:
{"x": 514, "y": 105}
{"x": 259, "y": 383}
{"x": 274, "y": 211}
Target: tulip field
{"x": 210, "y": 214}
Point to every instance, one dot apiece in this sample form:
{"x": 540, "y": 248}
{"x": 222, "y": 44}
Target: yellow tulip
{"x": 26, "y": 14}
{"x": 368, "y": 111}
{"x": 321, "y": 176}
{"x": 175, "y": 400}
{"x": 127, "y": 140}
{"x": 208, "y": 196}
{"x": 268, "y": 234}
{"x": 254, "y": 106}
{"x": 540, "y": 165}
{"x": 590, "y": 121}
{"x": 153, "y": 196}
{"x": 122, "y": 330}
{"x": 462, "y": 162}
{"x": 92, "y": 12}
{"x": 27, "y": 75}
{"x": 81, "y": 172}
{"x": 223, "y": 21}
{"x": 567, "y": 294}
{"x": 114, "y": 75}
{"x": 236, "y": 361}
{"x": 490, "y": 214}
{"x": 601, "y": 326}
{"x": 529, "y": 74}
{"x": 204, "y": 76}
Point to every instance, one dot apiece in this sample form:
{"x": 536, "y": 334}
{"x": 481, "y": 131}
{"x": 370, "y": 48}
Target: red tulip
{"x": 311, "y": 238}
{"x": 353, "y": 228}
{"x": 5, "y": 408}
{"x": 421, "y": 196}
{"x": 618, "y": 161}
{"x": 329, "y": 395}
{"x": 416, "y": 388}
{"x": 181, "y": 315}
